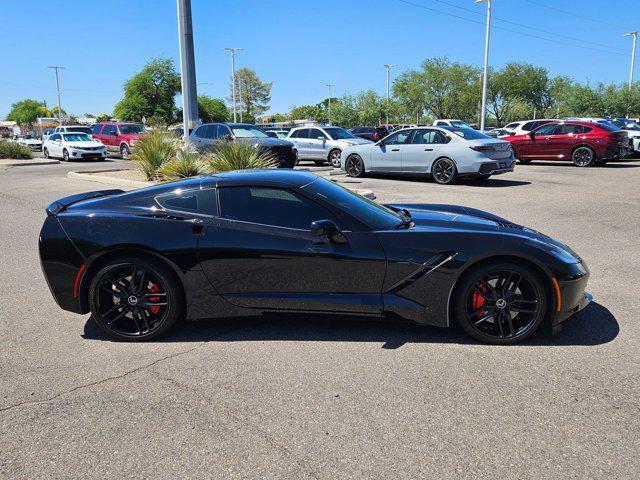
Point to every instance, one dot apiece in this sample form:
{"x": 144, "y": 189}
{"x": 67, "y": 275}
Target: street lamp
{"x": 56, "y": 68}
{"x": 633, "y": 54}
{"x": 486, "y": 65}
{"x": 329, "y": 86}
{"x": 233, "y": 51}
{"x": 187, "y": 68}
{"x": 388, "y": 66}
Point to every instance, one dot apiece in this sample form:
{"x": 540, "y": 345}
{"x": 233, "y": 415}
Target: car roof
{"x": 262, "y": 177}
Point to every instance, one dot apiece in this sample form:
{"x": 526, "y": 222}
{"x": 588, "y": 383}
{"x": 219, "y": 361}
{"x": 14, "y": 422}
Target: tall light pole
{"x": 240, "y": 95}
{"x": 633, "y": 54}
{"x": 233, "y": 51}
{"x": 486, "y": 65}
{"x": 388, "y": 66}
{"x": 187, "y": 68}
{"x": 56, "y": 68}
{"x": 329, "y": 86}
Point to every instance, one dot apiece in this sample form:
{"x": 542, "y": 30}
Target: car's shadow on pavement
{"x": 491, "y": 182}
{"x": 611, "y": 164}
{"x": 595, "y": 325}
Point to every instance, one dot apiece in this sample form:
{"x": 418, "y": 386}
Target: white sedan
{"x": 28, "y": 141}
{"x": 73, "y": 145}
{"x": 444, "y": 153}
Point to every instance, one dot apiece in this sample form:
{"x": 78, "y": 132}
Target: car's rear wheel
{"x": 583, "y": 157}
{"x": 124, "y": 151}
{"x": 46, "y": 153}
{"x": 501, "y": 303}
{"x": 444, "y": 171}
{"x": 334, "y": 158}
{"x": 354, "y": 166}
{"x": 65, "y": 155}
{"x": 135, "y": 299}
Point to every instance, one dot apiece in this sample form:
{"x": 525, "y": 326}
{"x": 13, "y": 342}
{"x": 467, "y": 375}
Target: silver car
{"x": 323, "y": 144}
{"x": 445, "y": 153}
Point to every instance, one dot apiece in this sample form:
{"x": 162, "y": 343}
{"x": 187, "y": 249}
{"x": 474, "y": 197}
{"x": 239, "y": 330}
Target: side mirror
{"x": 321, "y": 138}
{"x": 381, "y": 142}
{"x": 328, "y": 229}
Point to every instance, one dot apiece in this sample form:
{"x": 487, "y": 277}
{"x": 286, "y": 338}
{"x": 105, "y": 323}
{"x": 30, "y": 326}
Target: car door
{"x": 317, "y": 144}
{"x": 55, "y": 145}
{"x": 259, "y": 253}
{"x": 544, "y": 142}
{"x": 300, "y": 139}
{"x": 109, "y": 136}
{"x": 424, "y": 147}
{"x": 386, "y": 156}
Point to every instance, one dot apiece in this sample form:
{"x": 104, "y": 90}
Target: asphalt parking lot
{"x": 325, "y": 398}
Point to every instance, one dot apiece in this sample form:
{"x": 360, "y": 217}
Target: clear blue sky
{"x": 299, "y": 45}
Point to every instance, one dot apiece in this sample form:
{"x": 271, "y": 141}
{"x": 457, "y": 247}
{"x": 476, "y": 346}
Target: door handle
{"x": 395, "y": 149}
{"x": 428, "y": 149}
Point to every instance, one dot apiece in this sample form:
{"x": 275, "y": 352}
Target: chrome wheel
{"x": 444, "y": 171}
{"x": 124, "y": 152}
{"x": 583, "y": 157}
{"x": 334, "y": 158}
{"x": 65, "y": 155}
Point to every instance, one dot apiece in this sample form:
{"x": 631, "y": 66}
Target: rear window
{"x": 608, "y": 128}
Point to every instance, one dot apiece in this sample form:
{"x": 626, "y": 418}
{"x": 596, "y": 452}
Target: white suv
{"x": 323, "y": 144}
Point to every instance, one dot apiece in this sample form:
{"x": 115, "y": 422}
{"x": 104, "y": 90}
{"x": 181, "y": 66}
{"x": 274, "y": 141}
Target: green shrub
{"x": 10, "y": 149}
{"x": 152, "y": 151}
{"x": 227, "y": 156}
{"x": 186, "y": 164}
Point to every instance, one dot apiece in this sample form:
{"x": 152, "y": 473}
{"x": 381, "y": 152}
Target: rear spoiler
{"x": 62, "y": 203}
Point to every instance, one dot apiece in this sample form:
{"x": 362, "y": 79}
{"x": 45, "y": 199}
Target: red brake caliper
{"x": 478, "y": 300}
{"x": 153, "y": 289}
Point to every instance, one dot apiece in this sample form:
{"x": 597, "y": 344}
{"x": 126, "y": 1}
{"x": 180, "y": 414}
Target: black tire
{"x": 129, "y": 306}
{"x": 444, "y": 171}
{"x": 334, "y": 158}
{"x": 65, "y": 155}
{"x": 319, "y": 162}
{"x": 46, "y": 153}
{"x": 297, "y": 159}
{"x": 354, "y": 166}
{"x": 487, "y": 311}
{"x": 124, "y": 151}
{"x": 524, "y": 160}
{"x": 583, "y": 157}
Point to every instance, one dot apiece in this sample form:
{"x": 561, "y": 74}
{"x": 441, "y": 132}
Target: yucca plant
{"x": 186, "y": 164}
{"x": 152, "y": 151}
{"x": 14, "y": 150}
{"x": 238, "y": 156}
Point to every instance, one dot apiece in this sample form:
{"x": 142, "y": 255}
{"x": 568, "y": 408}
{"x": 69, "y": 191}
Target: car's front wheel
{"x": 334, "y": 158}
{"x": 583, "y": 157}
{"x": 354, "y": 166}
{"x": 46, "y": 153}
{"x": 124, "y": 151}
{"x": 444, "y": 171}
{"x": 65, "y": 155}
{"x": 135, "y": 299}
{"x": 501, "y": 302}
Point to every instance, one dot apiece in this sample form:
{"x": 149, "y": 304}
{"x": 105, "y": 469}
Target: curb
{"x": 90, "y": 176}
{"x": 337, "y": 172}
{"x": 365, "y": 193}
{"x": 24, "y": 163}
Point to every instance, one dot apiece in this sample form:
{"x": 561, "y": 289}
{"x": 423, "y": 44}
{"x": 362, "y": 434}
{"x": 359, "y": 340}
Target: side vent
{"x": 510, "y": 225}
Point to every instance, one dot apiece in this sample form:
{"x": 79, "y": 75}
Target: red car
{"x": 118, "y": 137}
{"x": 584, "y": 143}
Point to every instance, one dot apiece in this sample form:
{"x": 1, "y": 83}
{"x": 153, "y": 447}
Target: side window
{"x": 567, "y": 130}
{"x": 96, "y": 129}
{"x": 304, "y": 133}
{"x": 194, "y": 201}
{"x": 314, "y": 133}
{"x": 270, "y": 206}
{"x": 109, "y": 130}
{"x": 200, "y": 131}
{"x": 223, "y": 131}
{"x": 424, "y": 136}
{"x": 294, "y": 134}
{"x": 527, "y": 127}
{"x": 441, "y": 123}
{"x": 398, "y": 138}
{"x": 583, "y": 129}
{"x": 213, "y": 132}
{"x": 548, "y": 130}
{"x": 55, "y": 136}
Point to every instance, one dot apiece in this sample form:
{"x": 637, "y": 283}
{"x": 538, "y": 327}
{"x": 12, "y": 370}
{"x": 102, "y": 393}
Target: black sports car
{"x": 278, "y": 240}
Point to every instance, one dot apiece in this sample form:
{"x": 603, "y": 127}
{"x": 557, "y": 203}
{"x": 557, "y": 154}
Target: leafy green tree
{"x": 26, "y": 112}
{"x": 253, "y": 95}
{"x": 212, "y": 109}
{"x": 150, "y": 92}
{"x": 103, "y": 117}
{"x": 530, "y": 84}
{"x": 304, "y": 112}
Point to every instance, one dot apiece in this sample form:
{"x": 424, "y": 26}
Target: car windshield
{"x": 248, "y": 131}
{"x": 467, "y": 133}
{"x": 132, "y": 129}
{"x": 459, "y": 123}
{"x": 338, "y": 133}
{"x": 79, "y": 129}
{"x": 376, "y": 216}
{"x": 76, "y": 137}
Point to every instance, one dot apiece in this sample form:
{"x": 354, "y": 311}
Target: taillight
{"x": 482, "y": 148}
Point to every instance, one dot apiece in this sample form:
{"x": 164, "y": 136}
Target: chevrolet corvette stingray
{"x": 250, "y": 242}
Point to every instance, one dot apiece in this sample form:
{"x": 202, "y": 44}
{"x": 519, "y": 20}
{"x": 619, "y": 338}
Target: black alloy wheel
{"x": 583, "y": 157}
{"x": 135, "y": 299}
{"x": 502, "y": 303}
{"x": 334, "y": 158}
{"x": 444, "y": 171}
{"x": 65, "y": 155}
{"x": 354, "y": 166}
{"x": 46, "y": 153}
{"x": 124, "y": 151}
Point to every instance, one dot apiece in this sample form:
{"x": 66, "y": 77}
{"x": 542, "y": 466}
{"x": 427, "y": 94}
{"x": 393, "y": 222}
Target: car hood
{"x": 267, "y": 142}
{"x": 353, "y": 141}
